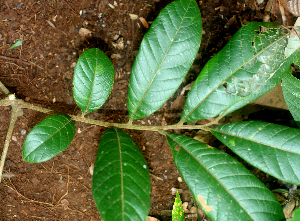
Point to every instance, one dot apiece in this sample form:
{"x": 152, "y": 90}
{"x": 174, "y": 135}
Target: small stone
{"x": 179, "y": 179}
{"x": 35, "y": 181}
{"x": 193, "y": 210}
{"x": 23, "y": 132}
{"x": 14, "y": 138}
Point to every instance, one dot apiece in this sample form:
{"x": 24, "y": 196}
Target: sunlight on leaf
{"x": 48, "y": 138}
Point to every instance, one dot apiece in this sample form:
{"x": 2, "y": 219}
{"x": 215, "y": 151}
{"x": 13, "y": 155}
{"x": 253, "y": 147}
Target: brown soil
{"x": 41, "y": 72}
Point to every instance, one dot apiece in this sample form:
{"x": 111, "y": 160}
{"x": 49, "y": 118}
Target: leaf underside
{"x": 223, "y": 188}
{"x": 121, "y": 182}
{"x": 164, "y": 58}
{"x": 274, "y": 149}
{"x": 48, "y": 138}
{"x": 93, "y": 80}
{"x": 251, "y": 64}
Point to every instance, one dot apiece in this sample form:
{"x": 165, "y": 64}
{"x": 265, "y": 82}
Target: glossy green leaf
{"x": 121, "y": 182}
{"x": 274, "y": 149}
{"x": 291, "y": 93}
{"x": 251, "y": 64}
{"x": 17, "y": 44}
{"x": 48, "y": 138}
{"x": 164, "y": 58}
{"x": 177, "y": 212}
{"x": 93, "y": 80}
{"x": 223, "y": 188}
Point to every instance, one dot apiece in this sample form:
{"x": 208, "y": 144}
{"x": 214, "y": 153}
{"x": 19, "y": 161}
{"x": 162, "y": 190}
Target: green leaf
{"x": 93, "y": 80}
{"x": 251, "y": 64}
{"x": 223, "y": 188}
{"x": 48, "y": 138}
{"x": 164, "y": 58}
{"x": 274, "y": 149}
{"x": 17, "y": 44}
{"x": 121, "y": 182}
{"x": 291, "y": 93}
{"x": 177, "y": 212}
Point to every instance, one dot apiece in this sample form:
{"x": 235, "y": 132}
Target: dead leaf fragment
{"x": 150, "y": 218}
{"x": 203, "y": 204}
{"x": 177, "y": 148}
{"x": 193, "y": 210}
{"x": 51, "y": 24}
{"x": 144, "y": 22}
{"x": 184, "y": 206}
{"x": 292, "y": 6}
{"x": 289, "y": 209}
{"x": 64, "y": 204}
{"x": 84, "y": 32}
{"x": 133, "y": 16}
{"x": 91, "y": 169}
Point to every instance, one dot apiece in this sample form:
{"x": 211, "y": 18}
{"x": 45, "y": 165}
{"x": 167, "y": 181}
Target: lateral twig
{"x": 70, "y": 7}
{"x": 12, "y": 187}
{"x": 23, "y": 104}
{"x": 4, "y": 89}
{"x": 15, "y": 113}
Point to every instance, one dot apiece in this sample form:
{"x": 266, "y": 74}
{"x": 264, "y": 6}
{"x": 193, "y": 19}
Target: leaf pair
{"x": 223, "y": 187}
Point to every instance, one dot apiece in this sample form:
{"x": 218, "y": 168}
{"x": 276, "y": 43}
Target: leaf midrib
{"x": 282, "y": 37}
{"x": 87, "y": 106}
{"x": 254, "y": 141}
{"x": 139, "y": 104}
{"x": 121, "y": 173}
{"x": 221, "y": 184}
{"x": 50, "y": 137}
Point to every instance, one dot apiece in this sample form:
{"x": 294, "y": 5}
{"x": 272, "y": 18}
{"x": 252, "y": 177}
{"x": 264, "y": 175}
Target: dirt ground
{"x": 41, "y": 72}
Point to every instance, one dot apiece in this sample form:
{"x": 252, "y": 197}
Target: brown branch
{"x": 15, "y": 113}
{"x": 4, "y": 89}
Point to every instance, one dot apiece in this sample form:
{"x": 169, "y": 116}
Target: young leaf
{"x": 48, "y": 138}
{"x": 291, "y": 93}
{"x": 223, "y": 188}
{"x": 93, "y": 80}
{"x": 164, "y": 58}
{"x": 177, "y": 212}
{"x": 121, "y": 182}
{"x": 17, "y": 44}
{"x": 274, "y": 149}
{"x": 250, "y": 65}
